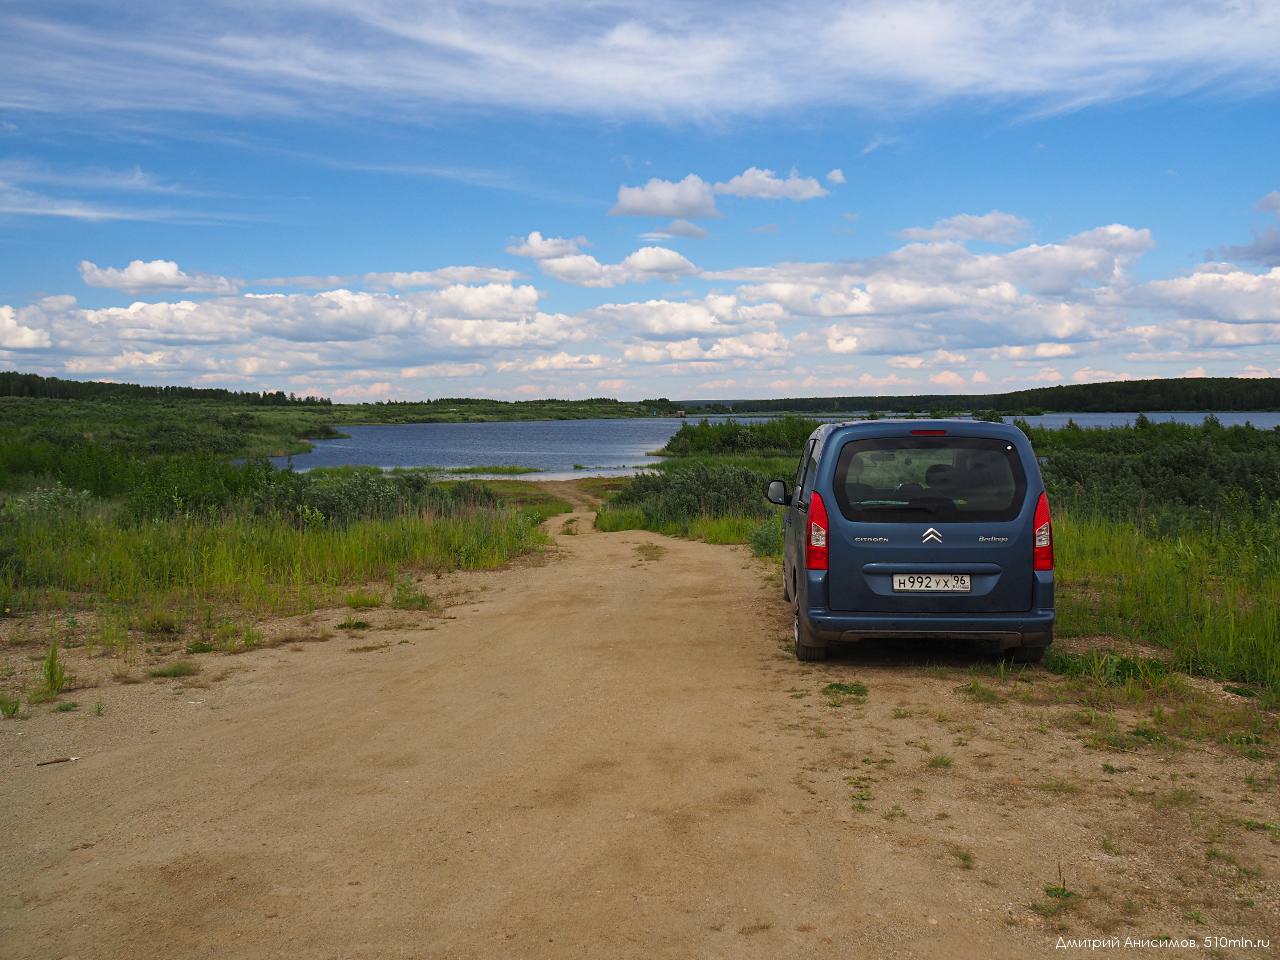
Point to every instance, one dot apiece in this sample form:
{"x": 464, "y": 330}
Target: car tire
{"x": 804, "y": 652}
{"x": 1025, "y": 654}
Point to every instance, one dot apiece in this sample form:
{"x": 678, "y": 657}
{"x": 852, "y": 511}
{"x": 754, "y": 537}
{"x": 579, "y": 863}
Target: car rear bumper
{"x": 1033, "y": 628}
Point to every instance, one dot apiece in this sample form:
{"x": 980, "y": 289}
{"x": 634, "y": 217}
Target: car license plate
{"x": 931, "y": 583}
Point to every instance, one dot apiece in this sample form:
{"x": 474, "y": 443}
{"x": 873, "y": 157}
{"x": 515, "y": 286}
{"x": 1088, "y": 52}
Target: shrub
{"x": 783, "y": 437}
{"x": 700, "y": 490}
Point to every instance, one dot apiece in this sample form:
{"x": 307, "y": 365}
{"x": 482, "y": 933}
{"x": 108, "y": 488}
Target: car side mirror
{"x": 777, "y": 493}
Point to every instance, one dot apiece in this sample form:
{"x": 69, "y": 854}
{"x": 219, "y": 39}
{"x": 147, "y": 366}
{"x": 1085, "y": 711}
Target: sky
{"x": 398, "y": 200}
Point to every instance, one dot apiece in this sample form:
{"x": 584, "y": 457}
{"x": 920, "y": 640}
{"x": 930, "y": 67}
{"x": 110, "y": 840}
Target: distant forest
{"x": 1125, "y": 396}
{"x": 13, "y": 384}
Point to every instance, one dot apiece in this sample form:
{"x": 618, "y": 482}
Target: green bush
{"x": 766, "y": 538}
{"x": 783, "y": 437}
{"x": 700, "y": 490}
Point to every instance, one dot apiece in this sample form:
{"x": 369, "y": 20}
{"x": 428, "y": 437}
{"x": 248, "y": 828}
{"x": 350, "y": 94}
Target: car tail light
{"x": 1044, "y": 536}
{"x": 928, "y": 433}
{"x": 815, "y": 557}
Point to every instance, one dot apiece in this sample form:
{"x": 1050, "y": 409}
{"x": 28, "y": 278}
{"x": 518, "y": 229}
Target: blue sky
{"x": 395, "y": 200}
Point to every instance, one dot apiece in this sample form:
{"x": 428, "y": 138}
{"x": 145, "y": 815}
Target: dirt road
{"x": 608, "y": 753}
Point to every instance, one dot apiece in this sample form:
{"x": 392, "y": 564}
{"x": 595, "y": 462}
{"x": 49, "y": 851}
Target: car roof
{"x": 887, "y": 427}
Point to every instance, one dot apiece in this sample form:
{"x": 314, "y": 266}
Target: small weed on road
{"x": 650, "y": 551}
{"x": 840, "y": 693}
{"x": 179, "y": 668}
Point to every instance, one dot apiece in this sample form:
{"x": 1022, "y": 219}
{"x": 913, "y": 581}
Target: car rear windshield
{"x": 922, "y": 479}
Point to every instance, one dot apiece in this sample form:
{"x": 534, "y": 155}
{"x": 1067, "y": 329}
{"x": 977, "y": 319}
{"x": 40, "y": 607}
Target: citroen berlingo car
{"x": 918, "y": 529}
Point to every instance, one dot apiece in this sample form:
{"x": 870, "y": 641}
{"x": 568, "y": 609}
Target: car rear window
{"x": 921, "y": 479}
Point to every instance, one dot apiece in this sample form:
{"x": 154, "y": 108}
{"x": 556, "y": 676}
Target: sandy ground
{"x": 610, "y": 752}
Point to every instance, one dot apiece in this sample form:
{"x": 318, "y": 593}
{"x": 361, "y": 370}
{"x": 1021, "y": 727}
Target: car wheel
{"x": 1025, "y": 654}
{"x": 804, "y": 651}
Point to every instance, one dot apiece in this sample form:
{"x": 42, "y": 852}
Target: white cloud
{"x": 154, "y": 276}
{"x": 647, "y": 263}
{"x": 923, "y": 309}
{"x": 1265, "y": 249}
{"x": 655, "y": 59}
{"x": 939, "y": 357}
{"x": 538, "y": 247}
{"x": 690, "y": 198}
{"x": 443, "y": 277}
{"x": 431, "y": 333}
{"x": 677, "y": 228}
{"x": 1090, "y": 375}
{"x": 757, "y": 183}
{"x": 15, "y": 336}
{"x": 1233, "y": 295}
{"x": 694, "y": 198}
{"x": 445, "y": 370}
{"x": 714, "y": 315}
{"x": 836, "y": 176}
{"x": 996, "y": 227}
{"x": 556, "y": 363}
{"x": 1038, "y": 350}
{"x": 22, "y": 202}
{"x": 949, "y": 379}
{"x": 365, "y": 393}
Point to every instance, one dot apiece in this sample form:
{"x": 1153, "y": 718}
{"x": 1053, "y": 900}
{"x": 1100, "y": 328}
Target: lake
{"x": 563, "y": 449}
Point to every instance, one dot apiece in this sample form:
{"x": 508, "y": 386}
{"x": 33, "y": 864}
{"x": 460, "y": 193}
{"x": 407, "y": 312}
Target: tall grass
{"x": 1210, "y": 594}
{"x": 717, "y": 503}
{"x": 265, "y": 565}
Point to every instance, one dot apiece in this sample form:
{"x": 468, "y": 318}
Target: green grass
{"x": 9, "y": 706}
{"x": 179, "y": 668}
{"x": 363, "y": 600}
{"x": 1210, "y": 597}
{"x": 508, "y": 469}
{"x": 780, "y": 468}
{"x": 530, "y": 498}
{"x": 351, "y": 623}
{"x": 719, "y": 530}
{"x": 939, "y": 761}
{"x": 838, "y": 694}
{"x": 67, "y": 706}
{"x": 53, "y": 678}
{"x": 263, "y": 565}
{"x": 980, "y": 693}
{"x": 405, "y": 596}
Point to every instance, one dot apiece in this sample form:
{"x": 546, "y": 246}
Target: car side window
{"x": 811, "y": 475}
{"x": 804, "y": 462}
{"x": 803, "y": 474}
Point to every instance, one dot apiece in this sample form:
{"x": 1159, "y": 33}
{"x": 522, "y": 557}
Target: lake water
{"x": 604, "y": 447}
{"x": 601, "y": 447}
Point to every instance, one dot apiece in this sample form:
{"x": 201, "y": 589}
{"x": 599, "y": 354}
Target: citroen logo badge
{"x": 931, "y": 536}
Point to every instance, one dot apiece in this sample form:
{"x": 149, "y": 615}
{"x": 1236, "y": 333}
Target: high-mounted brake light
{"x": 928, "y": 433}
{"x": 1043, "y": 553}
{"x": 815, "y": 557}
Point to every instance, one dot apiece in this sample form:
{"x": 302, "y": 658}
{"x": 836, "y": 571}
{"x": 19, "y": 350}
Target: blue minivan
{"x": 912, "y": 529}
